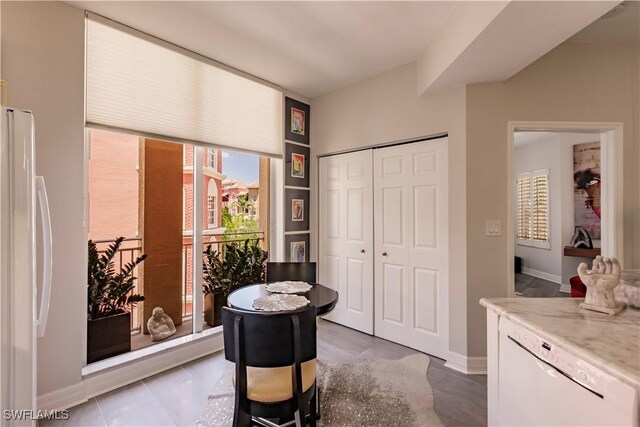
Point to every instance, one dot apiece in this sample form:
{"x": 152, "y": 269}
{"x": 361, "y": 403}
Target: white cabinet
{"x": 535, "y": 381}
{"x": 383, "y": 241}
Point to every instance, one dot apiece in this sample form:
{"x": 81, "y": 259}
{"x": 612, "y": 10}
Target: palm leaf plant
{"x": 110, "y": 293}
{"x": 233, "y": 267}
{"x": 236, "y": 265}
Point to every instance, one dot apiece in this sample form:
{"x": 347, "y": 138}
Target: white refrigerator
{"x": 24, "y": 304}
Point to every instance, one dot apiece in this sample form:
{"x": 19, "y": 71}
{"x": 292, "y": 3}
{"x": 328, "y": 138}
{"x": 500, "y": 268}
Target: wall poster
{"x": 586, "y": 178}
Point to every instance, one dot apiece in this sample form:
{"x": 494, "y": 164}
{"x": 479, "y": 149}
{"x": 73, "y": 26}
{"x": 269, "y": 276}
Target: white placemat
{"x": 280, "y": 302}
{"x": 289, "y": 287}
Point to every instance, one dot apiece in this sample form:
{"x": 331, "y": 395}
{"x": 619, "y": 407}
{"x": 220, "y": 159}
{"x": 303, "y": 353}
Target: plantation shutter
{"x": 524, "y": 207}
{"x": 540, "y": 206}
{"x": 139, "y": 84}
{"x": 533, "y": 206}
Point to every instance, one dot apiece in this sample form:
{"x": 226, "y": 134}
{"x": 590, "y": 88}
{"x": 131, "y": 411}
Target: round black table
{"x": 322, "y": 297}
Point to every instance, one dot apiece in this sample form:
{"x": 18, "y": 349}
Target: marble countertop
{"x": 610, "y": 343}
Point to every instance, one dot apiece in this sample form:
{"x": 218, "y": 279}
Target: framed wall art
{"x": 296, "y": 210}
{"x": 297, "y": 250}
{"x": 587, "y": 181}
{"x": 296, "y": 121}
{"x": 297, "y": 166}
{"x": 297, "y": 247}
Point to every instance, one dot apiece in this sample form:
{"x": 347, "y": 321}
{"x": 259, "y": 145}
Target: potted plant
{"x": 227, "y": 270}
{"x": 110, "y": 301}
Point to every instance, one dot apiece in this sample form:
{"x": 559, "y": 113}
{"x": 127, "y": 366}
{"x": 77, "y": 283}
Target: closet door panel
{"x": 392, "y": 219}
{"x": 426, "y": 296}
{"x": 355, "y": 291}
{"x": 411, "y": 245}
{"x": 346, "y": 236}
{"x": 392, "y": 294}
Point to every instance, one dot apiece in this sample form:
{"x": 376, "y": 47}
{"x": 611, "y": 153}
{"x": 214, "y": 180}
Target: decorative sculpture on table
{"x": 600, "y": 281}
{"x": 160, "y": 325}
{"x": 581, "y": 239}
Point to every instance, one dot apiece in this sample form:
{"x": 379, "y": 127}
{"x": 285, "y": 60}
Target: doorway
{"x": 563, "y": 202}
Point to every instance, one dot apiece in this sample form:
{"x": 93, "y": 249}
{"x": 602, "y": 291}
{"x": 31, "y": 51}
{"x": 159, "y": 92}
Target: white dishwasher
{"x": 540, "y": 384}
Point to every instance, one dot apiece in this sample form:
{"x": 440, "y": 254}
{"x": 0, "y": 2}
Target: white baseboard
{"x": 63, "y": 398}
{"x": 127, "y": 373}
{"x": 566, "y": 288}
{"x": 467, "y": 365}
{"x": 542, "y": 275}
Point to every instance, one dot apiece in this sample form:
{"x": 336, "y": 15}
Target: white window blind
{"x": 143, "y": 85}
{"x": 524, "y": 207}
{"x": 540, "y": 205}
{"x": 533, "y": 208}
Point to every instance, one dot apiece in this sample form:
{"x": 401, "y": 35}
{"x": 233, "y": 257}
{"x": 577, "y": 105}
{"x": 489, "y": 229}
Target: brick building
{"x": 116, "y": 188}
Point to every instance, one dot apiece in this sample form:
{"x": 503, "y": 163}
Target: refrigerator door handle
{"x": 43, "y": 312}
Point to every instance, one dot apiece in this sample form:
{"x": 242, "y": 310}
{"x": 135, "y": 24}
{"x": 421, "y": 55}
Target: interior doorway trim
{"x": 611, "y": 161}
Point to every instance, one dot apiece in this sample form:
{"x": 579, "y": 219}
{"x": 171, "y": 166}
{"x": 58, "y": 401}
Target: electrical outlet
{"x": 494, "y": 228}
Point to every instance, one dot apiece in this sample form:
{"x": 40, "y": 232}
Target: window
{"x": 212, "y": 193}
{"x": 533, "y": 209}
{"x": 211, "y": 211}
{"x": 212, "y": 158}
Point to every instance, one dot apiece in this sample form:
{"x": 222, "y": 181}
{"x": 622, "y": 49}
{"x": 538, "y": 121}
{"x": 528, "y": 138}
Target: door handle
{"x": 43, "y": 312}
{"x": 384, "y": 254}
{"x": 362, "y": 251}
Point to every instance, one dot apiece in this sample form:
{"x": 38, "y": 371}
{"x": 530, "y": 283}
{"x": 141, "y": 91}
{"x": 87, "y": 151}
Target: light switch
{"x": 494, "y": 228}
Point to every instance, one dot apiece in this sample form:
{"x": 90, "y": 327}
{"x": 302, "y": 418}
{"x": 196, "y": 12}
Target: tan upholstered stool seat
{"x": 270, "y": 385}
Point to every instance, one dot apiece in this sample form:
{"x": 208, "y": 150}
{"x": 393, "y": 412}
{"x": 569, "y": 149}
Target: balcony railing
{"x": 131, "y": 248}
{"x": 216, "y": 239}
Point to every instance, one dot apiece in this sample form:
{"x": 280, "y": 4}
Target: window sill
{"x": 147, "y": 352}
{"x": 534, "y": 244}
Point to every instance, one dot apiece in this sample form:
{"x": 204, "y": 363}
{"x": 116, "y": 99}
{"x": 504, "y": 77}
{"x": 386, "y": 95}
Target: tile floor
{"x": 529, "y": 286}
{"x": 178, "y": 396}
{"x": 175, "y": 397}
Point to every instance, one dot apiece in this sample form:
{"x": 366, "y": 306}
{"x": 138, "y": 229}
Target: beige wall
{"x": 43, "y": 61}
{"x": 574, "y": 82}
{"x": 385, "y": 108}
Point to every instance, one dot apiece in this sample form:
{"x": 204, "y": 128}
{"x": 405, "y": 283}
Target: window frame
{"x": 212, "y": 193}
{"x": 212, "y": 158}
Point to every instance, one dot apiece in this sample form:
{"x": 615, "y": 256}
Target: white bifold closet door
{"x": 411, "y": 245}
{"x": 346, "y": 236}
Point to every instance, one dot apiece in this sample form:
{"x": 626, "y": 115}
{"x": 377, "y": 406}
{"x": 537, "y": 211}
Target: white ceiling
{"x": 310, "y": 48}
{"x": 517, "y": 34}
{"x": 315, "y": 47}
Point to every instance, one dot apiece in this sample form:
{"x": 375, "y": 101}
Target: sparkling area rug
{"x": 366, "y": 392}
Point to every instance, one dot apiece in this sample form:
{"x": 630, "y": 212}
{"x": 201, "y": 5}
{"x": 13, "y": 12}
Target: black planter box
{"x": 108, "y": 337}
{"x": 213, "y": 309}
